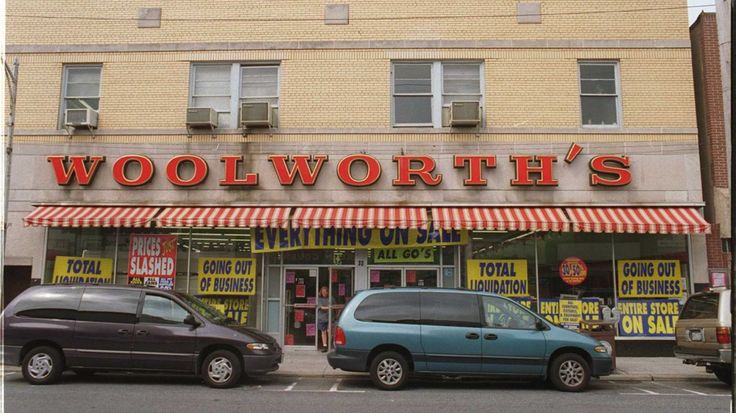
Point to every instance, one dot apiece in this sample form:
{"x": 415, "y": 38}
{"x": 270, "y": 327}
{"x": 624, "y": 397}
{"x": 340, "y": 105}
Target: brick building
{"x": 713, "y": 136}
{"x": 554, "y": 142}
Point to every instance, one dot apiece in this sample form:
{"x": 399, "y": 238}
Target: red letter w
{"x": 78, "y": 168}
{"x": 307, "y": 175}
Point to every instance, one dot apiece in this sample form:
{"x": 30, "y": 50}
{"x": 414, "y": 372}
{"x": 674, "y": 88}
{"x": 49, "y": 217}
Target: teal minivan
{"x": 397, "y": 332}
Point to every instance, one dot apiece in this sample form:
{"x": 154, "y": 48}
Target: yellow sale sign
{"x": 226, "y": 276}
{"x": 82, "y": 270}
{"x": 505, "y": 277}
{"x": 649, "y": 278}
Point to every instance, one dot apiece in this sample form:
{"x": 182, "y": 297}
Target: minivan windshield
{"x": 205, "y": 310}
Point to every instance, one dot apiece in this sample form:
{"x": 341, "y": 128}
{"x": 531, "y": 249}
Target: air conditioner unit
{"x": 255, "y": 114}
{"x": 201, "y": 118}
{"x": 80, "y": 117}
{"x": 464, "y": 113}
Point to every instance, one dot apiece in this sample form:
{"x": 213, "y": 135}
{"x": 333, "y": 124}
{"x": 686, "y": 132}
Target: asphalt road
{"x": 141, "y": 393}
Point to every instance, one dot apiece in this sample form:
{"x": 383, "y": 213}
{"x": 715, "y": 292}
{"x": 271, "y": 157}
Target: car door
{"x": 103, "y": 334}
{"x": 512, "y": 344}
{"x": 162, "y": 341}
{"x": 450, "y": 332}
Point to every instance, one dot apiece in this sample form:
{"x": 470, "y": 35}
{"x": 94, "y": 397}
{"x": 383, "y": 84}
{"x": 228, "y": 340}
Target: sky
{"x": 693, "y": 12}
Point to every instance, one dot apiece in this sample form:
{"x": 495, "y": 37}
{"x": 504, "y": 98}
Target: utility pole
{"x": 11, "y": 75}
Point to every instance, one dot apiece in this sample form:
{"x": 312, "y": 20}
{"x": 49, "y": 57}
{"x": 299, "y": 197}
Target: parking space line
{"x": 646, "y": 391}
{"x": 290, "y": 387}
{"x": 334, "y": 386}
{"x": 680, "y": 388}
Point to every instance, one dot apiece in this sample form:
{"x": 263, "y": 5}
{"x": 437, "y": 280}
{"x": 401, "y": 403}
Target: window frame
{"x": 64, "y": 81}
{"x": 484, "y": 322}
{"x": 236, "y": 73}
{"x": 617, "y": 96}
{"x": 449, "y": 323}
{"x": 437, "y": 93}
{"x": 141, "y": 320}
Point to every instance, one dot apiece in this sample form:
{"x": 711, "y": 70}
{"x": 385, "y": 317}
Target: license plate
{"x": 696, "y": 335}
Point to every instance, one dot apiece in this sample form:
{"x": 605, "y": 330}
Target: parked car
{"x": 703, "y": 333}
{"x": 394, "y": 333}
{"x": 92, "y": 328}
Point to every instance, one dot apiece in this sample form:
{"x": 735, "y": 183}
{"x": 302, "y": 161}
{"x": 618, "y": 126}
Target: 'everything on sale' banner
{"x": 282, "y": 239}
{"x": 152, "y": 260}
{"x": 648, "y": 318}
{"x": 505, "y": 277}
{"x": 226, "y": 276}
{"x": 82, "y": 270}
{"x": 649, "y": 278}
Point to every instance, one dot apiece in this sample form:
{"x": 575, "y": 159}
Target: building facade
{"x": 545, "y": 150}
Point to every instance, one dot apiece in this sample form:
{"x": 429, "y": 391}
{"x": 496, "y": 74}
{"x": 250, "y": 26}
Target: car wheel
{"x": 389, "y": 371}
{"x": 570, "y": 372}
{"x": 42, "y": 365}
{"x": 221, "y": 369}
{"x": 724, "y": 374}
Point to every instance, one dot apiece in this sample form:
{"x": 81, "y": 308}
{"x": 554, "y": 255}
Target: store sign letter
{"x": 78, "y": 168}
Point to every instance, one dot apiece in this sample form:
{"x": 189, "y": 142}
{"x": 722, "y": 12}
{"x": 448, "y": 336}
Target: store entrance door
{"x": 403, "y": 277}
{"x": 306, "y": 312}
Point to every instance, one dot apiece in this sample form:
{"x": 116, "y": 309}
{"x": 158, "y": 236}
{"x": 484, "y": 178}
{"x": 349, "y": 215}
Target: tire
{"x": 221, "y": 369}
{"x": 724, "y": 374}
{"x": 569, "y": 372}
{"x": 42, "y": 365}
{"x": 84, "y": 372}
{"x": 389, "y": 371}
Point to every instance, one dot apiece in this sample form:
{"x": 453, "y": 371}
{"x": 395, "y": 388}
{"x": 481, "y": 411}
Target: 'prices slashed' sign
{"x": 152, "y": 260}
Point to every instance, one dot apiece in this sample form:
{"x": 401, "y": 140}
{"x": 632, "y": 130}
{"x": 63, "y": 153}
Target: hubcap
{"x": 40, "y": 366}
{"x": 389, "y": 371}
{"x": 572, "y": 373}
{"x": 220, "y": 370}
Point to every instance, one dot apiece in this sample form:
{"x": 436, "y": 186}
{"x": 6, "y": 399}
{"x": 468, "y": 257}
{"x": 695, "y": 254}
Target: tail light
{"x": 339, "y": 337}
{"x": 723, "y": 335}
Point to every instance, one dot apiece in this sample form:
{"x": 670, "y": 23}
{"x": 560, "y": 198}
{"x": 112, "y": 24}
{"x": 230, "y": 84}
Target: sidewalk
{"x": 310, "y": 363}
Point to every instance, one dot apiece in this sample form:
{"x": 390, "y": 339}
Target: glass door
{"x": 339, "y": 285}
{"x": 385, "y": 277}
{"x": 300, "y": 306}
{"x": 420, "y": 277}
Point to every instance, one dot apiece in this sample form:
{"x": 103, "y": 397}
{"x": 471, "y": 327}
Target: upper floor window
{"x": 424, "y": 91}
{"x": 224, "y": 86}
{"x": 81, "y": 88}
{"x": 600, "y": 101}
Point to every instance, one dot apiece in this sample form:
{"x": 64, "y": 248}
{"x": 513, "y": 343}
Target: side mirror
{"x": 540, "y": 325}
{"x": 190, "y": 320}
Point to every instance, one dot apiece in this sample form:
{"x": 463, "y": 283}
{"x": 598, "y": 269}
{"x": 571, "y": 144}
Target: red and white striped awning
{"x": 91, "y": 216}
{"x": 638, "y": 220}
{"x": 502, "y": 219}
{"x": 359, "y": 218}
{"x": 224, "y": 217}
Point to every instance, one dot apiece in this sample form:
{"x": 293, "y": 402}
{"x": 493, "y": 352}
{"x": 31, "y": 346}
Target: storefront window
{"x": 79, "y": 255}
{"x": 504, "y": 263}
{"x": 320, "y": 257}
{"x": 652, "y": 282}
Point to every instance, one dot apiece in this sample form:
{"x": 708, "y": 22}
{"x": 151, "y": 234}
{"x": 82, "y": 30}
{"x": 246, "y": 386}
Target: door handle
{"x": 141, "y": 333}
{"x": 123, "y": 332}
{"x": 472, "y": 336}
{"x": 490, "y": 337}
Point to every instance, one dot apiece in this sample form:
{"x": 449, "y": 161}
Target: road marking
{"x": 673, "y": 394}
{"x": 646, "y": 391}
{"x": 290, "y": 387}
{"x": 679, "y": 388}
{"x": 317, "y": 391}
{"x": 334, "y": 386}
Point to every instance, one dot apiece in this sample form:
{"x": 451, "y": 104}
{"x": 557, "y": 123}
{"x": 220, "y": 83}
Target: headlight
{"x": 257, "y": 346}
{"x": 600, "y": 349}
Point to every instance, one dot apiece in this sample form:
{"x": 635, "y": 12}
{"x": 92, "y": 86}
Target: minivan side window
{"x": 109, "y": 305}
{"x": 450, "y": 309}
{"x": 701, "y": 306}
{"x": 50, "y": 302}
{"x": 162, "y": 310}
{"x": 390, "y": 308}
{"x": 500, "y": 313}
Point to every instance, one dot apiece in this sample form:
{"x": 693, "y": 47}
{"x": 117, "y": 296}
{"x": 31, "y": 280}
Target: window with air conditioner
{"x": 80, "y": 89}
{"x": 224, "y": 87}
{"x": 600, "y": 96}
{"x": 423, "y": 92}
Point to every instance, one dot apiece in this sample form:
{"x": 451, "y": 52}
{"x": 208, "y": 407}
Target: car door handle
{"x": 472, "y": 336}
{"x": 490, "y": 337}
{"x": 141, "y": 333}
{"x": 123, "y": 332}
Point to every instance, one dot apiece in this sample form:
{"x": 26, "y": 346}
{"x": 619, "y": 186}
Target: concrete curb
{"x": 614, "y": 377}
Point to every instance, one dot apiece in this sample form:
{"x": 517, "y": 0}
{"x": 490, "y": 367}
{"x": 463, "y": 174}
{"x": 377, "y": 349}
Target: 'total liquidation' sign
{"x": 649, "y": 278}
{"x": 82, "y": 270}
{"x": 505, "y": 277}
{"x": 226, "y": 276}
{"x": 152, "y": 260}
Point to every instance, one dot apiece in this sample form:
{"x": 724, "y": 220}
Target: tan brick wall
{"x": 563, "y": 19}
{"x": 351, "y": 88}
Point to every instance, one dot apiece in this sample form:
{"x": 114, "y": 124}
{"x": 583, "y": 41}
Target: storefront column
{"x": 698, "y": 262}
{"x": 361, "y": 269}
{"x": 115, "y": 257}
